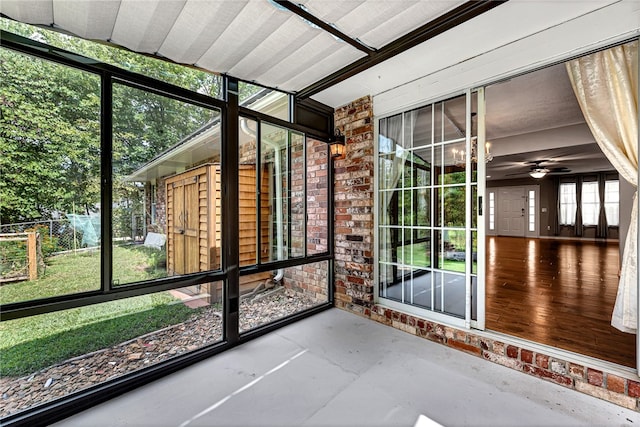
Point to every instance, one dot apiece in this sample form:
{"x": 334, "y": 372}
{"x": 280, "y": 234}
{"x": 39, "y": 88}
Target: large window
{"x": 283, "y": 215}
{"x": 590, "y": 203}
{"x": 50, "y": 180}
{"x": 115, "y": 195}
{"x": 593, "y": 194}
{"x": 612, "y": 202}
{"x": 567, "y": 203}
{"x": 163, "y": 146}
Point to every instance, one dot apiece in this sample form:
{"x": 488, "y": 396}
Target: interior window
{"x": 492, "y": 211}
{"x": 590, "y": 203}
{"x": 532, "y": 210}
{"x": 612, "y": 202}
{"x": 567, "y": 203}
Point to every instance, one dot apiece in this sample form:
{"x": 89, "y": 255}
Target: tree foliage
{"x": 50, "y": 125}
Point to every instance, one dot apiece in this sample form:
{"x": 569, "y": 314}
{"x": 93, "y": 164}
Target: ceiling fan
{"x": 538, "y": 170}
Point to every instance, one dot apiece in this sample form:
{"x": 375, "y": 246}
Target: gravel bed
{"x": 205, "y": 327}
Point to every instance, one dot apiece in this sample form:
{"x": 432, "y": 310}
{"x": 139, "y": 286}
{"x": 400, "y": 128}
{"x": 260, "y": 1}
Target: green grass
{"x": 80, "y": 272}
{"x": 32, "y": 343}
{"x": 419, "y": 254}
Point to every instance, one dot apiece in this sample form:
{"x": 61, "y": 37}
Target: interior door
{"x": 511, "y": 211}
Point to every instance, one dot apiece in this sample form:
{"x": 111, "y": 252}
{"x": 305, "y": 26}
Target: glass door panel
{"x": 428, "y": 201}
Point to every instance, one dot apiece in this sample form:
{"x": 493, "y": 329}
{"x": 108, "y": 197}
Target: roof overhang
{"x": 301, "y": 47}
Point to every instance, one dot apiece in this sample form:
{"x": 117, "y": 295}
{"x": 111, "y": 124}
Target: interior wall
{"x": 547, "y": 200}
{"x": 548, "y": 211}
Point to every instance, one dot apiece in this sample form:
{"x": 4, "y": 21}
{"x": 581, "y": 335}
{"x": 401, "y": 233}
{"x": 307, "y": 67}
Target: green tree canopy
{"x": 50, "y": 121}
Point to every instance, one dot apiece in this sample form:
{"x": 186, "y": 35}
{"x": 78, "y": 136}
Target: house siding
{"x": 354, "y": 277}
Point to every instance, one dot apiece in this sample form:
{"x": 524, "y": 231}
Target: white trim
{"x": 555, "y": 352}
{"x": 510, "y": 56}
{"x": 423, "y": 313}
{"x": 480, "y": 221}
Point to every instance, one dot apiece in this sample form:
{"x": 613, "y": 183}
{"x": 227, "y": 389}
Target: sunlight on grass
{"x": 33, "y": 343}
{"x": 73, "y": 273}
{"x": 416, "y": 255}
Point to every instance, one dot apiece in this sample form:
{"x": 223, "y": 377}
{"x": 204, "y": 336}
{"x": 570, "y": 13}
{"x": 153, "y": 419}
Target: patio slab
{"x": 338, "y": 369}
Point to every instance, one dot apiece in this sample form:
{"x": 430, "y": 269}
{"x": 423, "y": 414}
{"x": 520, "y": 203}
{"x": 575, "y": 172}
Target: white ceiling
{"x": 254, "y": 40}
{"x": 536, "y": 117}
{"x": 518, "y": 35}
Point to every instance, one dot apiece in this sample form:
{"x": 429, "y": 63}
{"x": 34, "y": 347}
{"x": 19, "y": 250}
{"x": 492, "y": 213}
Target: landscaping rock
{"x": 202, "y": 329}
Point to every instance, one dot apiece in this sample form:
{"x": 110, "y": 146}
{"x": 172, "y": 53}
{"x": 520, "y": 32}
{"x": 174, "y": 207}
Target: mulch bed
{"x": 204, "y": 328}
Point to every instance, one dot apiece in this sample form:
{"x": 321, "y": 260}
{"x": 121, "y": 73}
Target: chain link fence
{"x": 58, "y": 235}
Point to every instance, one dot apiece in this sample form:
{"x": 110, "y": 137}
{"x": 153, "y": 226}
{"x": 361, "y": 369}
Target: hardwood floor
{"x": 557, "y": 292}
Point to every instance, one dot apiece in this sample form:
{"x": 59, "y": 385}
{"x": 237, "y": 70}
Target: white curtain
{"x": 606, "y": 85}
{"x": 392, "y": 158}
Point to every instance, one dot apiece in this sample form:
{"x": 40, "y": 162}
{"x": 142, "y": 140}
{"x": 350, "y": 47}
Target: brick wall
{"x": 354, "y": 279}
{"x": 161, "y": 205}
{"x": 310, "y": 279}
{"x": 353, "y": 201}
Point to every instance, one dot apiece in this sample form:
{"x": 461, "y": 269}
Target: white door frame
{"x": 528, "y": 209}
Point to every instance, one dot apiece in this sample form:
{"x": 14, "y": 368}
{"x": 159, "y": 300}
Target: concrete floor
{"x": 337, "y": 369}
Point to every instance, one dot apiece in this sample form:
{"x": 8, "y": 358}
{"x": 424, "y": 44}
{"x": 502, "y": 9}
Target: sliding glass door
{"x": 427, "y": 210}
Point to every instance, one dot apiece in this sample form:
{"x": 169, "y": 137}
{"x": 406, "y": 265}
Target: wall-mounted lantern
{"x": 337, "y": 145}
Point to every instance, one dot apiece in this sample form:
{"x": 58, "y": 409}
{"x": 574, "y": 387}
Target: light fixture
{"x": 474, "y": 151}
{"x": 337, "y": 145}
{"x": 459, "y": 156}
{"x": 538, "y": 173}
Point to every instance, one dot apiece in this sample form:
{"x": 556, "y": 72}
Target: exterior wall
{"x": 161, "y": 205}
{"x": 354, "y": 280}
{"x": 317, "y": 197}
{"x": 310, "y": 279}
{"x": 353, "y": 201}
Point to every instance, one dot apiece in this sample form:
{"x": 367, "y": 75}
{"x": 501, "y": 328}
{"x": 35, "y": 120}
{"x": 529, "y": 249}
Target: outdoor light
{"x": 337, "y": 145}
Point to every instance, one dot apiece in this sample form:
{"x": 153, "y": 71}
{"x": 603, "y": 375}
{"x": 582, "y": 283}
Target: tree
{"x": 50, "y": 118}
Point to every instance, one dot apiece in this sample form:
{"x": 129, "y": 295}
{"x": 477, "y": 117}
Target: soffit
{"x": 254, "y": 40}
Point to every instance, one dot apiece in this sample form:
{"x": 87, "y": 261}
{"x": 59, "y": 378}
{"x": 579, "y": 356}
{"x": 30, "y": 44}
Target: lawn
{"x": 418, "y": 253}
{"x": 32, "y": 343}
{"x": 80, "y": 272}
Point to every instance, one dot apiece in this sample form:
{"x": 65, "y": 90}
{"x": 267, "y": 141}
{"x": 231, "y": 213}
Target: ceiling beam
{"x": 449, "y": 20}
{"x": 301, "y": 12}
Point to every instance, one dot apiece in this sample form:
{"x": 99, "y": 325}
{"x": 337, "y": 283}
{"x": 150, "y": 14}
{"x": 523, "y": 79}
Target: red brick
{"x": 357, "y": 280}
{"x": 464, "y": 347}
{"x": 526, "y": 356}
{"x": 543, "y": 373}
{"x": 634, "y": 389}
{"x": 512, "y": 351}
{"x": 498, "y": 348}
{"x": 460, "y": 335}
{"x": 576, "y": 370}
{"x": 615, "y": 383}
{"x": 595, "y": 377}
{"x": 542, "y": 361}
